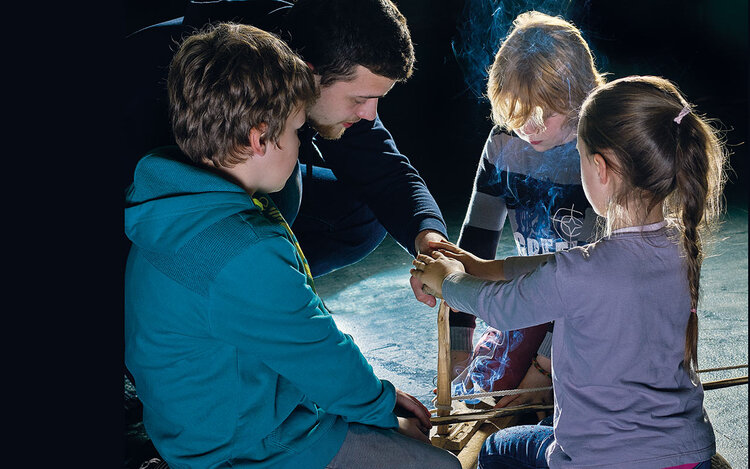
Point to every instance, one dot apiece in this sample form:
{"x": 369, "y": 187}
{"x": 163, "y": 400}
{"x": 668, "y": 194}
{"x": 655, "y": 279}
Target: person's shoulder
{"x": 153, "y": 45}
{"x": 262, "y": 228}
{"x": 496, "y": 142}
{"x": 579, "y": 255}
{"x": 157, "y": 28}
{"x": 241, "y": 243}
{"x": 252, "y": 245}
{"x": 499, "y": 135}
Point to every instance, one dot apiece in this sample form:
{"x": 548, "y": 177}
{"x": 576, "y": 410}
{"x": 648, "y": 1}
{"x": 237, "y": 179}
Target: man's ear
{"x": 315, "y": 74}
{"x": 602, "y": 170}
{"x": 258, "y": 139}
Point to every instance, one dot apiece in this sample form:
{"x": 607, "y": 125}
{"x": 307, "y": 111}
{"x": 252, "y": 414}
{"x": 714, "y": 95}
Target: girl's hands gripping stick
{"x": 431, "y": 271}
{"x": 476, "y": 266}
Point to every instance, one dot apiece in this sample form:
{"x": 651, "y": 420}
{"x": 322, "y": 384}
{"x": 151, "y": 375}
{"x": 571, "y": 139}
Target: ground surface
{"x": 373, "y": 302}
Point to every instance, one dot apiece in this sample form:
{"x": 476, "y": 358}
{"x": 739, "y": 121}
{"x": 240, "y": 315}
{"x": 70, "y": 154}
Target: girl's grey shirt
{"x": 620, "y": 306}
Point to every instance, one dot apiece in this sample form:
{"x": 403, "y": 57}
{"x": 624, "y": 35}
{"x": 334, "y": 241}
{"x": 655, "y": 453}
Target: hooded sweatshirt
{"x": 236, "y": 359}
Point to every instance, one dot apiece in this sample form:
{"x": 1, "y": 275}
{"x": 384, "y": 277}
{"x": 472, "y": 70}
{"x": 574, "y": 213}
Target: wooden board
{"x": 458, "y": 434}
{"x": 457, "y": 437}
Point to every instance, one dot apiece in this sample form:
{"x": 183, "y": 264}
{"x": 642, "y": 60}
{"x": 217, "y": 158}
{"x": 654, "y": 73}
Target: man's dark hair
{"x": 335, "y": 36}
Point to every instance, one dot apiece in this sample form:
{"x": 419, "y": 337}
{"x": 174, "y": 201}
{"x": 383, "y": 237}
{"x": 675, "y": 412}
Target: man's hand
{"x": 420, "y": 293}
{"x": 424, "y": 238}
{"x": 533, "y": 379}
{"x": 431, "y": 271}
{"x": 422, "y": 246}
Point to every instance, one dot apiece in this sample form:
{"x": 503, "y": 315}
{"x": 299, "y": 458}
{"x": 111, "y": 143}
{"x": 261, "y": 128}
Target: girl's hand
{"x": 431, "y": 271}
{"x": 476, "y": 266}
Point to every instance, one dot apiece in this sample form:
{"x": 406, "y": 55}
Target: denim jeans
{"x": 524, "y": 447}
{"x": 519, "y": 447}
{"x": 375, "y": 448}
{"x": 333, "y": 227}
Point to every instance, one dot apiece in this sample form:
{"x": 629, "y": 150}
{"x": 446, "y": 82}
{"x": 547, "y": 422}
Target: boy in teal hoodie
{"x": 235, "y": 357}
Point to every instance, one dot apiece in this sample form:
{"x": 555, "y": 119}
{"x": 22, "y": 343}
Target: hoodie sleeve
{"x": 367, "y": 161}
{"x": 262, "y": 303}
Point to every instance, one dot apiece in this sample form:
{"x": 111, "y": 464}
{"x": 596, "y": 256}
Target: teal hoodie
{"x": 235, "y": 358}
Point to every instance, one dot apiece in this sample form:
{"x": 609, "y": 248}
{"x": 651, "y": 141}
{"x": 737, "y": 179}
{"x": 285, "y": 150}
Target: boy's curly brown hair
{"x": 227, "y": 79}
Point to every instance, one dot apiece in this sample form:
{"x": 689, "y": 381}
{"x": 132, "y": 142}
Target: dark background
{"x": 63, "y": 267}
{"x": 441, "y": 125}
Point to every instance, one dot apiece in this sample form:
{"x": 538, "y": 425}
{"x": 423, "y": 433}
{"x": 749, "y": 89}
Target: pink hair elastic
{"x": 693, "y": 311}
{"x": 682, "y": 114}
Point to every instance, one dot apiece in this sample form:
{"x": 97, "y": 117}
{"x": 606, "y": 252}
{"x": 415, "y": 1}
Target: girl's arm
{"x": 493, "y": 270}
{"x": 504, "y": 305}
{"x": 483, "y": 268}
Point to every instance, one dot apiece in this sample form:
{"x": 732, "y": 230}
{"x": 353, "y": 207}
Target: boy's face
{"x": 555, "y": 132}
{"x": 281, "y": 156}
{"x": 343, "y": 103}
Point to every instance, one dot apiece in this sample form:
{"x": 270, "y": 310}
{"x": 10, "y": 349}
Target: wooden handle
{"x": 444, "y": 365}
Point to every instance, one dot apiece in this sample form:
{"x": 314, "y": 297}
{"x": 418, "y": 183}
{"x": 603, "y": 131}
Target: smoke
{"x": 489, "y": 363}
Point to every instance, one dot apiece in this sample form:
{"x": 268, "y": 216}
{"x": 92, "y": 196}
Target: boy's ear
{"x": 258, "y": 139}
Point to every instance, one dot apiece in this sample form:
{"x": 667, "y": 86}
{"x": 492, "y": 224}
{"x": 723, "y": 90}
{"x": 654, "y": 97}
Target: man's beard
{"x": 328, "y": 132}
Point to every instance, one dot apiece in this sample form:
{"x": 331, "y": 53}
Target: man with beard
{"x": 352, "y": 185}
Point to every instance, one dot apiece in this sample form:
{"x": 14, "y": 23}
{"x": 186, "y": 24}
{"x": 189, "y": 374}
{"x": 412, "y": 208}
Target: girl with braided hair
{"x": 624, "y": 351}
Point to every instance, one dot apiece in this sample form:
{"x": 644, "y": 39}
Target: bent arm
{"x": 264, "y": 305}
{"x": 365, "y": 159}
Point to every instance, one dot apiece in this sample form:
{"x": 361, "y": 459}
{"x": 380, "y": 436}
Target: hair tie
{"x": 694, "y": 311}
{"x": 682, "y": 114}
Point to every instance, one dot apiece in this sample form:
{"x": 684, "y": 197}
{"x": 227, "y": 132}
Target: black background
{"x": 62, "y": 210}
{"x": 441, "y": 125}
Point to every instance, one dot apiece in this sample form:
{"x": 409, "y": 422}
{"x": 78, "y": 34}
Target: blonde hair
{"x": 663, "y": 151}
{"x": 543, "y": 65}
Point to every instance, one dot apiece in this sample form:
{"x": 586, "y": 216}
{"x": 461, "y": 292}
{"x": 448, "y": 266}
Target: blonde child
{"x": 625, "y": 343}
{"x": 528, "y": 173}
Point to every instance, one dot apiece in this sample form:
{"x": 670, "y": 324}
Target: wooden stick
{"x": 443, "y": 369}
{"x": 494, "y": 413}
{"x": 722, "y": 368}
{"x": 724, "y": 383}
{"x": 488, "y": 414}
